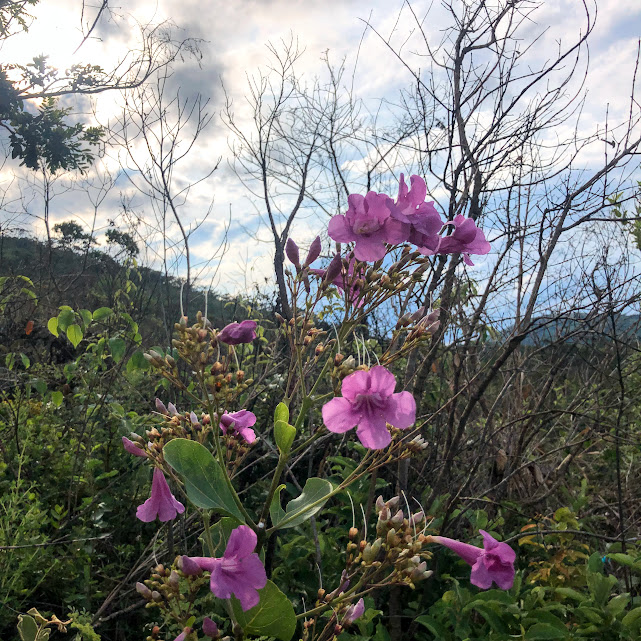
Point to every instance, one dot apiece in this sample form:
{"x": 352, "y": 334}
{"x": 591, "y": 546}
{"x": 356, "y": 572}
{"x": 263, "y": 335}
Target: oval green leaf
{"x": 314, "y": 495}
{"x": 52, "y": 326}
{"x": 281, "y": 413}
{"x": 117, "y": 346}
{"x": 204, "y": 479}
{"x": 101, "y": 313}
{"x": 284, "y": 433}
{"x": 74, "y": 334}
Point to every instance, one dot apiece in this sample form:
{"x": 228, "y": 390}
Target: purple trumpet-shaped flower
{"x": 130, "y": 446}
{"x": 494, "y": 562}
{"x": 210, "y": 629}
{"x": 237, "y": 333}
{"x": 240, "y": 422}
{"x": 368, "y": 223}
{"x": 354, "y": 612}
{"x": 162, "y": 503}
{"x": 466, "y": 239}
{"x": 239, "y": 572}
{"x": 369, "y": 402}
{"x": 411, "y": 208}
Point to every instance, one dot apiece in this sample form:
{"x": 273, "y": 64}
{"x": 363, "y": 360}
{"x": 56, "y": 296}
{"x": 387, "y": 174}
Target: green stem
{"x": 207, "y": 531}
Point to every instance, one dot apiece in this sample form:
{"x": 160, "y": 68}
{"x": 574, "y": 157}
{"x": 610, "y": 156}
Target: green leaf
{"x": 273, "y": 616}
{"x": 544, "y": 631}
{"x": 284, "y": 433}
{"x": 27, "y": 628}
{"x": 52, "y": 326}
{"x": 543, "y": 616}
{"x": 632, "y": 617}
{"x": 57, "y": 398}
{"x": 281, "y": 413}
{"x": 25, "y": 361}
{"x": 65, "y": 318}
{"x": 276, "y": 512}
{"x": 101, "y": 313}
{"x": 313, "y": 497}
{"x": 117, "y": 347}
{"x": 86, "y": 316}
{"x": 204, "y": 479}
{"x": 74, "y": 334}
{"x": 433, "y": 626}
{"x": 625, "y": 559}
{"x": 41, "y": 386}
{"x": 137, "y": 361}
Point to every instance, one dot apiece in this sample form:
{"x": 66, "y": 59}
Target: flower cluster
{"x": 375, "y": 220}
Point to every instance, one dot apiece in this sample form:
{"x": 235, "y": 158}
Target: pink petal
{"x": 401, "y": 410}
{"x": 381, "y": 381}
{"x": 356, "y": 383}
{"x": 373, "y": 433}
{"x": 242, "y": 542}
{"x": 369, "y": 249}
{"x": 480, "y": 576}
{"x": 339, "y": 415}
{"x": 339, "y": 230}
{"x": 247, "y": 596}
{"x": 248, "y": 434}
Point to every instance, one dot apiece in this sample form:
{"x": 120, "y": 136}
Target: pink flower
{"x": 130, "y": 447}
{"x": 369, "y": 402}
{"x": 239, "y": 572}
{"x": 422, "y": 217}
{"x": 240, "y": 422}
{"x": 493, "y": 562}
{"x": 183, "y": 635}
{"x": 237, "y": 333}
{"x": 467, "y": 239}
{"x": 354, "y": 612}
{"x": 162, "y": 503}
{"x": 368, "y": 223}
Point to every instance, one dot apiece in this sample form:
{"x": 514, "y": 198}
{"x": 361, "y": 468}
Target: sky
{"x": 233, "y": 38}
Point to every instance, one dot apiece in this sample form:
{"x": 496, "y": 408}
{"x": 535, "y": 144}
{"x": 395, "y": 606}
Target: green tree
{"x": 48, "y": 138}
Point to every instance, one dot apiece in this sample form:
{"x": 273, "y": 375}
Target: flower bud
{"x": 210, "y": 628}
{"x": 333, "y": 270}
{"x": 291, "y": 249}
{"x": 172, "y": 409}
{"x": 391, "y": 538}
{"x": 174, "y": 579}
{"x": 193, "y": 418}
{"x": 415, "y": 519}
{"x": 160, "y": 407}
{"x": 353, "y": 533}
{"x": 156, "y": 596}
{"x": 397, "y": 519}
{"x": 144, "y": 591}
{"x": 314, "y": 251}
